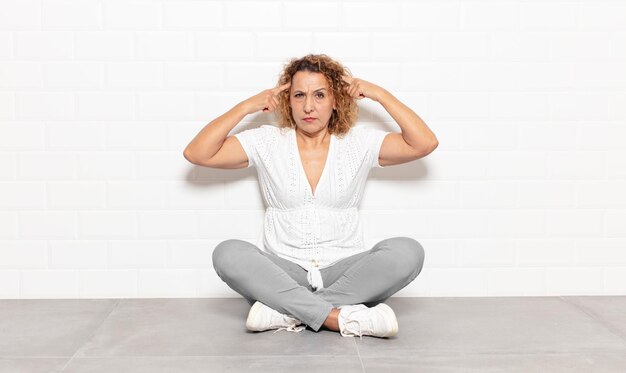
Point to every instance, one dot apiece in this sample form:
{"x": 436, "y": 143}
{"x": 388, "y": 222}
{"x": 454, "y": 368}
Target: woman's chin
{"x": 310, "y": 126}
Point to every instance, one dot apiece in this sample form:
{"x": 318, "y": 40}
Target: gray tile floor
{"x": 511, "y": 334}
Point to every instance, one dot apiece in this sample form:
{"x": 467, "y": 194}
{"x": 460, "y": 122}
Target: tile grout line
{"x": 175, "y": 356}
{"x": 358, "y": 353}
{"x": 90, "y": 335}
{"x": 596, "y": 318}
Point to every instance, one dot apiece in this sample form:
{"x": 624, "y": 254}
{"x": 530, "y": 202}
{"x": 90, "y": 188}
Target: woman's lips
{"x": 309, "y": 120}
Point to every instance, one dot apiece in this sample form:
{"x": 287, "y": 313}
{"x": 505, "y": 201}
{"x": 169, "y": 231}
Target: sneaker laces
{"x": 348, "y": 321}
{"x": 291, "y": 328}
{"x": 360, "y": 333}
{"x": 292, "y": 324}
{"x": 379, "y": 321}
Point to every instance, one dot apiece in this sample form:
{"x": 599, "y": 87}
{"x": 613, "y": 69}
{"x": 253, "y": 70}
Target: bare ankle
{"x": 332, "y": 321}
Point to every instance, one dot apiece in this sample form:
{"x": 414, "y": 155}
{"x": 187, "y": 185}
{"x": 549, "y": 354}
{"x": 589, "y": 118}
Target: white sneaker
{"x": 379, "y": 321}
{"x": 262, "y": 317}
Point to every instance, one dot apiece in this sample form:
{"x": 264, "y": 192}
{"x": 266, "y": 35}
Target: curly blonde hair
{"x": 344, "y": 117}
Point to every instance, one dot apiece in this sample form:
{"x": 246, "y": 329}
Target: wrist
{"x": 383, "y": 96}
{"x": 243, "y": 108}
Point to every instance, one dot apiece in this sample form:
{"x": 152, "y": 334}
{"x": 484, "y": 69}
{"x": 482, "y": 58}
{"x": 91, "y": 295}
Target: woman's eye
{"x": 298, "y": 95}
{"x": 319, "y": 95}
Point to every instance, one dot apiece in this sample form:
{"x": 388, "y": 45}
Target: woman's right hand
{"x": 265, "y": 101}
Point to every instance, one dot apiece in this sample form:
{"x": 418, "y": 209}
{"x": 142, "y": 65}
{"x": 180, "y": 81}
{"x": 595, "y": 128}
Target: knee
{"x": 228, "y": 253}
{"x": 409, "y": 253}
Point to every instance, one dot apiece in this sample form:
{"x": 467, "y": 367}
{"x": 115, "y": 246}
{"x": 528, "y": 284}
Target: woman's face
{"x": 311, "y": 101}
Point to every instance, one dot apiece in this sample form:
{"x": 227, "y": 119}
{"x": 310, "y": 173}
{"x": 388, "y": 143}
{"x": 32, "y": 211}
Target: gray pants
{"x": 368, "y": 278}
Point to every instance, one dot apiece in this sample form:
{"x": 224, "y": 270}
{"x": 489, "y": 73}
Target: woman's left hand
{"x": 359, "y": 88}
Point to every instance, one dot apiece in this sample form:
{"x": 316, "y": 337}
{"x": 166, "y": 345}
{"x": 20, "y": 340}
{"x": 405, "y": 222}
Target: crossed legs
{"x": 368, "y": 278}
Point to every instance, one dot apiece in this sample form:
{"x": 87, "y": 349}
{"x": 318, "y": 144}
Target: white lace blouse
{"x": 318, "y": 230}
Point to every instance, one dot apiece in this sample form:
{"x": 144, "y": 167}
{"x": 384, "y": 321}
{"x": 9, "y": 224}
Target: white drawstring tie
{"x": 315, "y": 277}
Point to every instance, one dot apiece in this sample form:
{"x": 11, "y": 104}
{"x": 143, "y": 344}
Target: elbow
{"x": 189, "y": 156}
{"x": 428, "y": 148}
{"x": 432, "y": 145}
{"x": 195, "y": 158}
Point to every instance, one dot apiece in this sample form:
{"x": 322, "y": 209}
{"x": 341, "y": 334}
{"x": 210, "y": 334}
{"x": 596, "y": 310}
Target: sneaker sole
{"x": 256, "y": 307}
{"x": 390, "y": 316}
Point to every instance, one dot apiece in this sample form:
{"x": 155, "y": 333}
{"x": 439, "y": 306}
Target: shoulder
{"x": 263, "y": 131}
{"x": 358, "y": 131}
{"x": 265, "y": 128}
{"x": 273, "y": 131}
{"x": 364, "y": 134}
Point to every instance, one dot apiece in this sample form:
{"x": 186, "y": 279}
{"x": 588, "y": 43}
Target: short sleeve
{"x": 372, "y": 139}
{"x": 246, "y": 139}
{"x": 253, "y": 141}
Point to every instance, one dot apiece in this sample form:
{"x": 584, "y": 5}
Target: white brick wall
{"x": 98, "y": 98}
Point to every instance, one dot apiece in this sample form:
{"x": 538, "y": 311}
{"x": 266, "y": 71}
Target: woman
{"x": 314, "y": 269}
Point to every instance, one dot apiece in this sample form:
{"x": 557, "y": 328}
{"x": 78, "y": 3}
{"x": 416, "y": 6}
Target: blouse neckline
{"x": 303, "y": 172}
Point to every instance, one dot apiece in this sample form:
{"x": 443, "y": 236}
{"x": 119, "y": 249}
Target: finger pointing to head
{"x": 283, "y": 87}
{"x": 347, "y": 79}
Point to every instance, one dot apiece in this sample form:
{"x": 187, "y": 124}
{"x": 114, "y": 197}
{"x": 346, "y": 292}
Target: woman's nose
{"x": 308, "y": 104}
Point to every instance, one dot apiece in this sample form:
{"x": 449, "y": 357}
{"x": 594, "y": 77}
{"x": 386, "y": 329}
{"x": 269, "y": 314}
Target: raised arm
{"x": 415, "y": 141}
{"x": 212, "y": 147}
